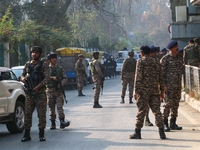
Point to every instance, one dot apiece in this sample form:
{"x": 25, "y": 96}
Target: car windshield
{"x": 18, "y": 72}
{"x": 120, "y": 61}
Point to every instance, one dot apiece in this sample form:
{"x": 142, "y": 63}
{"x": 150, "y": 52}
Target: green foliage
{"x": 85, "y": 27}
{"x": 142, "y": 38}
{"x": 44, "y": 36}
{"x": 122, "y": 43}
{"x": 6, "y": 26}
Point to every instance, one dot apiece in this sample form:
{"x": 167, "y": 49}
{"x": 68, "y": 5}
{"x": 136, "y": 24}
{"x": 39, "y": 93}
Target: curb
{"x": 191, "y": 101}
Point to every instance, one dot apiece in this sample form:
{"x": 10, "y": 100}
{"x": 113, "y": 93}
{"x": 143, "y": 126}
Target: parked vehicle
{"x": 137, "y": 55}
{"x": 119, "y": 65}
{"x": 18, "y": 71}
{"x": 12, "y": 100}
{"x": 122, "y": 54}
{"x": 67, "y": 58}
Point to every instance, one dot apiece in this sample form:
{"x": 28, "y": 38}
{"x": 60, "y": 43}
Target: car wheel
{"x": 17, "y": 125}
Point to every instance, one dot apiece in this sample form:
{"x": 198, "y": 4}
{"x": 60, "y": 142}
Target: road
{"x": 107, "y": 128}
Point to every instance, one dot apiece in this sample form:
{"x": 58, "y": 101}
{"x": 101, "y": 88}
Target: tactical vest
{"x": 130, "y": 65}
{"x": 93, "y": 69}
{"x": 36, "y": 73}
{"x": 52, "y": 73}
{"x": 192, "y": 54}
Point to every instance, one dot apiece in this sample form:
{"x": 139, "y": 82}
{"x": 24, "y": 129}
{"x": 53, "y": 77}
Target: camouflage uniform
{"x": 80, "y": 74}
{"x": 159, "y": 56}
{"x": 30, "y": 102}
{"x": 97, "y": 76}
{"x": 148, "y": 76}
{"x": 172, "y": 69}
{"x": 128, "y": 75}
{"x": 55, "y": 96}
{"x": 191, "y": 55}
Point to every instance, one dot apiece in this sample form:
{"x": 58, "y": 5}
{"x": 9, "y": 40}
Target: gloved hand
{"x": 103, "y": 79}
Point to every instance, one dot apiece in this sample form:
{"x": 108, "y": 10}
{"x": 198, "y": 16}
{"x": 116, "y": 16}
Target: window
{"x": 5, "y": 75}
{"x": 120, "y": 60}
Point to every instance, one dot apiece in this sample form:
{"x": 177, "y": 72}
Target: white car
{"x": 18, "y": 71}
{"x": 119, "y": 65}
{"x": 12, "y": 100}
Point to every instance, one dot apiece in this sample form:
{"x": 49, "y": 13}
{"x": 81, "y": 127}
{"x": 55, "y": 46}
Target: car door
{"x": 4, "y": 93}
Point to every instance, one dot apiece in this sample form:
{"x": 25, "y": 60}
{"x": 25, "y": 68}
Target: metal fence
{"x": 192, "y": 78}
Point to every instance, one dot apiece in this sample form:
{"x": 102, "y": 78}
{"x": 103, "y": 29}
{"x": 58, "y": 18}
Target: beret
{"x": 164, "y": 50}
{"x": 172, "y": 44}
{"x": 153, "y": 49}
{"x": 145, "y": 48}
{"x": 191, "y": 40}
{"x": 180, "y": 51}
{"x": 36, "y": 48}
{"x": 80, "y": 55}
{"x": 52, "y": 55}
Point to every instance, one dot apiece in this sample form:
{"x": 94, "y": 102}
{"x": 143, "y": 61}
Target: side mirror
{"x": 19, "y": 78}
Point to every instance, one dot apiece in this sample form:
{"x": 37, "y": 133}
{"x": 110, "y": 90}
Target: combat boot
{"x": 147, "y": 122}
{"x": 97, "y": 105}
{"x": 136, "y": 135}
{"x": 53, "y": 125}
{"x": 166, "y": 127}
{"x": 80, "y": 93}
{"x": 173, "y": 124}
{"x": 162, "y": 133}
{"x": 64, "y": 124}
{"x": 41, "y": 135}
{"x": 130, "y": 100}
{"x": 27, "y": 136}
{"x": 122, "y": 101}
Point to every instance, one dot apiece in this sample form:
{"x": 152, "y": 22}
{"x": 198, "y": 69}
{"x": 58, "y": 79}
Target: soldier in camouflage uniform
{"x": 153, "y": 54}
{"x": 172, "y": 69}
{"x": 39, "y": 71}
{"x": 128, "y": 76}
{"x": 148, "y": 76}
{"x": 163, "y": 52}
{"x": 54, "y": 93}
{"x": 98, "y": 78}
{"x": 191, "y": 54}
{"x": 80, "y": 73}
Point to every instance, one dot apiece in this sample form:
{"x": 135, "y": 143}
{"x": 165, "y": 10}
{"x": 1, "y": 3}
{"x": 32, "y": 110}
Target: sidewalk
{"x": 190, "y": 101}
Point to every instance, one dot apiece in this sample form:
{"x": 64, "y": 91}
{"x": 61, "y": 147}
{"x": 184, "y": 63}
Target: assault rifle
{"x": 30, "y": 87}
{"x": 61, "y": 87}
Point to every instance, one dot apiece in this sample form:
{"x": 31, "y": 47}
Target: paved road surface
{"x": 108, "y": 128}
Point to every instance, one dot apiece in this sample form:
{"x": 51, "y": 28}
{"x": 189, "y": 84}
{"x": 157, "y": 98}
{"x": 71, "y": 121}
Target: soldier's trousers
{"x": 125, "y": 82}
{"x": 153, "y": 101}
{"x": 55, "y": 98}
{"x": 80, "y": 82}
{"x": 171, "y": 102}
{"x": 97, "y": 87}
{"x": 41, "y": 106}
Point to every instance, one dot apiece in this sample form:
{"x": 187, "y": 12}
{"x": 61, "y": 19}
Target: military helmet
{"x": 36, "y": 48}
{"x": 95, "y": 53}
{"x": 131, "y": 53}
{"x": 80, "y": 55}
{"x": 52, "y": 55}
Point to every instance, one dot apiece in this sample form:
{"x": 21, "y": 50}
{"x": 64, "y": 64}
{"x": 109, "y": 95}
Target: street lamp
{"x": 110, "y": 32}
